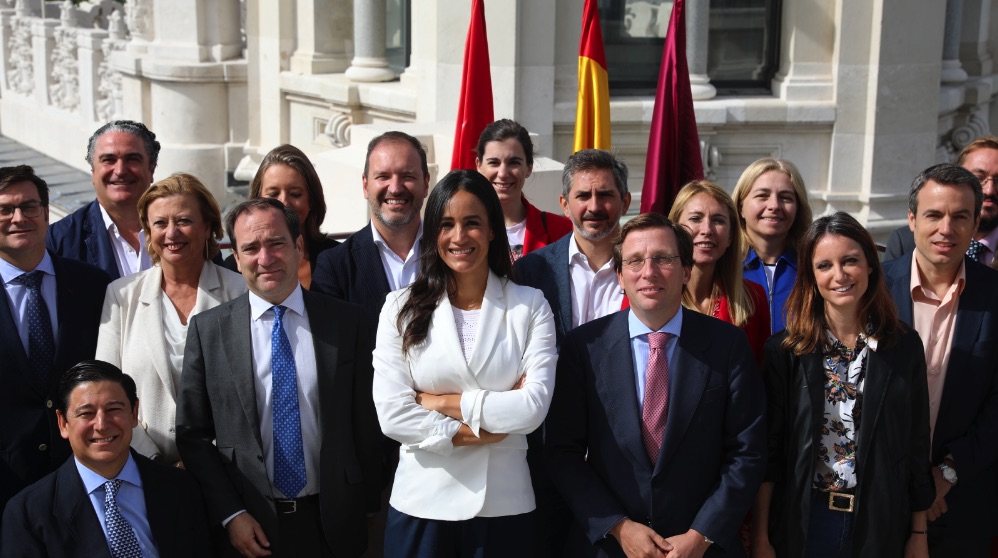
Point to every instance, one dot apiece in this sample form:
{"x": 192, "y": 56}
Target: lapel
{"x": 446, "y": 341}
{"x": 74, "y": 512}
{"x": 234, "y": 337}
{"x": 614, "y": 378}
{"x": 558, "y": 258}
{"x": 10, "y": 339}
{"x": 325, "y": 340}
{"x": 97, "y": 242}
{"x": 878, "y": 376}
{"x": 491, "y": 319}
{"x": 149, "y": 312}
{"x": 369, "y": 268}
{"x": 899, "y": 275}
{"x": 161, "y": 517}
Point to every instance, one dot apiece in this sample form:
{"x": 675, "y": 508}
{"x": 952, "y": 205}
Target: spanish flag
{"x": 475, "y": 110}
{"x": 592, "y": 113}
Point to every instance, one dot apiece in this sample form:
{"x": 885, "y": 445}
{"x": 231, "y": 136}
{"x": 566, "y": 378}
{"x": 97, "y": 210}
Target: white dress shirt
{"x": 594, "y": 293}
{"x": 296, "y": 325}
{"x": 130, "y": 499}
{"x": 128, "y": 259}
{"x": 17, "y": 295}
{"x": 640, "y": 352}
{"x": 400, "y": 273}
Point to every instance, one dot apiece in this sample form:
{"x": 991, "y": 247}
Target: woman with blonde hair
{"x": 716, "y": 286}
{"x": 773, "y": 214}
{"x": 144, "y": 324}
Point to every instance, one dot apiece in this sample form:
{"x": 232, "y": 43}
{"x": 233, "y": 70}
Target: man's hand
{"x": 690, "y": 544}
{"x": 639, "y": 541}
{"x": 942, "y": 489}
{"x": 246, "y": 535}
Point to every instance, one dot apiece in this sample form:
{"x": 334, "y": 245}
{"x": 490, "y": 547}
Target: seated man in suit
{"x": 656, "y": 436}
{"x": 106, "y": 500}
{"x": 275, "y": 416}
{"x": 951, "y": 301}
{"x": 106, "y": 232}
{"x": 49, "y": 316}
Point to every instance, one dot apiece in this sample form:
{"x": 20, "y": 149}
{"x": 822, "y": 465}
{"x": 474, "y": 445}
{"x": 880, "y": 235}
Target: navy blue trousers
{"x": 480, "y": 537}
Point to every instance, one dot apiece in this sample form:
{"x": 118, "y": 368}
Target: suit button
{"x": 48, "y": 404}
{"x": 43, "y": 447}
{"x": 259, "y": 458}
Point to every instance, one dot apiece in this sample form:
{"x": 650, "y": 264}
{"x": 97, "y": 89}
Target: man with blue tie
{"x": 274, "y": 415}
{"x": 105, "y": 501}
{"x": 49, "y": 316}
{"x": 656, "y": 435}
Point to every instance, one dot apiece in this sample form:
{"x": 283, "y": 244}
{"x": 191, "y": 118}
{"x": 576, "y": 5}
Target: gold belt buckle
{"x": 835, "y": 499}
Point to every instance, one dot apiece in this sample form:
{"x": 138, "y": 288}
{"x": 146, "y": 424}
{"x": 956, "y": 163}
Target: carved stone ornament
{"x": 711, "y": 158}
{"x": 65, "y": 90}
{"x": 338, "y": 129}
{"x": 962, "y": 136}
{"x": 138, "y": 18}
{"x": 21, "y": 74}
{"x": 109, "y": 99}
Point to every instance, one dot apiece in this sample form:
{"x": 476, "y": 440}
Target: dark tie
{"x": 289, "y": 457}
{"x": 120, "y": 536}
{"x": 41, "y": 343}
{"x": 976, "y": 250}
{"x": 655, "y": 407}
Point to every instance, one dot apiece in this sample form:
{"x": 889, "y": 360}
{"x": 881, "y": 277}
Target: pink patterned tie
{"x": 656, "y": 404}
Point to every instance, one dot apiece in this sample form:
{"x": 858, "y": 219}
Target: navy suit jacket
{"x": 967, "y": 423}
{"x": 81, "y": 236}
{"x": 547, "y": 269}
{"x": 30, "y": 443}
{"x": 901, "y": 242}
{"x": 54, "y": 516}
{"x": 713, "y": 455}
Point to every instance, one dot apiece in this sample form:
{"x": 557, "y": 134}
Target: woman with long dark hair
{"x": 463, "y": 370}
{"x": 847, "y": 411}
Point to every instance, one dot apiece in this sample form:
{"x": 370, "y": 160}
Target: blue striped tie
{"x": 289, "y": 456}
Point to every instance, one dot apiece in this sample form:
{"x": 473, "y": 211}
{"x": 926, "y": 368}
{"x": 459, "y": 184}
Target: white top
{"x": 435, "y": 479}
{"x": 175, "y": 337}
{"x": 466, "y": 322}
{"x": 770, "y": 270}
{"x": 400, "y": 273}
{"x": 17, "y": 295}
{"x": 296, "y": 325}
{"x": 516, "y": 234}
{"x": 129, "y": 259}
{"x": 594, "y": 293}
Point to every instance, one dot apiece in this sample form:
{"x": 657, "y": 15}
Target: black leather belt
{"x": 296, "y": 505}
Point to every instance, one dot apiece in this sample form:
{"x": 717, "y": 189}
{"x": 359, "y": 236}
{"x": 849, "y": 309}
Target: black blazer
{"x": 967, "y": 423}
{"x": 712, "y": 459}
{"x": 218, "y": 430}
{"x": 30, "y": 443}
{"x": 901, "y": 242}
{"x": 81, "y": 236}
{"x": 54, "y": 516}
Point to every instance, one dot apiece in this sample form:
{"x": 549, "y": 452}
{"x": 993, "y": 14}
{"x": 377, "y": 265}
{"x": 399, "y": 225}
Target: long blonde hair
{"x": 729, "y": 267}
{"x": 752, "y": 173}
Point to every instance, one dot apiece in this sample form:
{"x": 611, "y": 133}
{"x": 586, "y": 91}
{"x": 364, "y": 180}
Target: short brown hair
{"x": 24, "y": 173}
{"x": 653, "y": 221}
{"x": 183, "y": 184}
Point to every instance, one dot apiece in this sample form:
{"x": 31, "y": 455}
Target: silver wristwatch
{"x": 948, "y": 473}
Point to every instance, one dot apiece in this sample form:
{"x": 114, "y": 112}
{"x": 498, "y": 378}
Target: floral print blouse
{"x": 845, "y": 374}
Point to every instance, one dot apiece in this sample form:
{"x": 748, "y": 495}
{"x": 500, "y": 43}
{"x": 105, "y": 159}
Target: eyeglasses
{"x": 985, "y": 178}
{"x": 29, "y": 210}
{"x": 660, "y": 261}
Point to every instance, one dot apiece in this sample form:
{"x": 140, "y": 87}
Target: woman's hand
{"x": 465, "y": 437}
{"x": 447, "y": 404}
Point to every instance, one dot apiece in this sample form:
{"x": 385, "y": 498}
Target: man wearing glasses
{"x": 981, "y": 159}
{"x": 49, "y": 318}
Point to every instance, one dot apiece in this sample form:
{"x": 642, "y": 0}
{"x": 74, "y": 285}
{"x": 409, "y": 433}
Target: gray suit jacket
{"x": 218, "y": 430}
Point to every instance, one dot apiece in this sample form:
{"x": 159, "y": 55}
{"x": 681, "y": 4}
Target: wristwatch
{"x": 949, "y": 473}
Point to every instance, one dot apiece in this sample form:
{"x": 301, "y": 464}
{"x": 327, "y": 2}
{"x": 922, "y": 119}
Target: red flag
{"x": 592, "y": 111}
{"x": 474, "y": 111}
{"x": 673, "y": 157}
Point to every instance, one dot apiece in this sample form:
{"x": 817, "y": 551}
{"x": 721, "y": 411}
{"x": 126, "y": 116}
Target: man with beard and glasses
{"x": 577, "y": 277}
{"x": 981, "y": 159}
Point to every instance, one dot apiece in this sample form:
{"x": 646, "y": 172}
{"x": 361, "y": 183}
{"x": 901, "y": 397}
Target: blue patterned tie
{"x": 41, "y": 342}
{"x": 289, "y": 457}
{"x": 120, "y": 536}
{"x": 976, "y": 250}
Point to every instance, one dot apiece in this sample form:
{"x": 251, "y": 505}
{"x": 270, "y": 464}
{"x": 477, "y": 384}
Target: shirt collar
{"x": 92, "y": 480}
{"x": 578, "y": 257}
{"x": 295, "y": 302}
{"x": 9, "y": 271}
{"x": 753, "y": 261}
{"x": 379, "y": 240}
{"x": 916, "y": 277}
{"x": 637, "y": 328}
{"x": 991, "y": 240}
{"x": 108, "y": 222}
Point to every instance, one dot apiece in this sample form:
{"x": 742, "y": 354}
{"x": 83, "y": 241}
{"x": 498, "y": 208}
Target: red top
{"x": 543, "y": 228}
{"x": 757, "y": 326}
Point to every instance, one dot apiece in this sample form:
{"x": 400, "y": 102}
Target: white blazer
{"x": 131, "y": 337}
{"x": 436, "y": 480}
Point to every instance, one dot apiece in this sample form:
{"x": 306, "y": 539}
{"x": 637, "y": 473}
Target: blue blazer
{"x": 30, "y": 443}
{"x": 967, "y": 423}
{"x": 81, "y": 236}
{"x": 901, "y": 242}
{"x": 54, "y": 517}
{"x": 547, "y": 269}
{"x": 713, "y": 455}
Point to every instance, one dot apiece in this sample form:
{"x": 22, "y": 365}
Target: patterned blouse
{"x": 845, "y": 374}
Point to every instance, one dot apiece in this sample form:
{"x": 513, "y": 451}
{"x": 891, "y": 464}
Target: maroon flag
{"x": 673, "y": 157}
{"x": 474, "y": 111}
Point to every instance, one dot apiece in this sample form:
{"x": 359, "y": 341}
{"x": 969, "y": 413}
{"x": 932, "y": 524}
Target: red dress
{"x": 757, "y": 326}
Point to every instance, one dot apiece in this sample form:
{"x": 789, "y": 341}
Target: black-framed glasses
{"x": 660, "y": 261}
{"x": 29, "y": 210}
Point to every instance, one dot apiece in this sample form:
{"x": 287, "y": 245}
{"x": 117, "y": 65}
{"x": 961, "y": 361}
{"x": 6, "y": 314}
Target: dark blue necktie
{"x": 289, "y": 457}
{"x": 976, "y": 250}
{"x": 41, "y": 342}
{"x": 120, "y": 536}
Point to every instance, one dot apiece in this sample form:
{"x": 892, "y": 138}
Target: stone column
{"x": 42, "y": 44}
{"x": 89, "y": 43}
{"x": 952, "y": 71}
{"x": 806, "y": 53}
{"x": 325, "y": 37}
{"x": 975, "y": 49}
{"x": 697, "y": 29}
{"x": 369, "y": 61}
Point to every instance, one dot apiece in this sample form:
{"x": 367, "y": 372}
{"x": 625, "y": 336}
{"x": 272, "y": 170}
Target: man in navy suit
{"x": 49, "y": 317}
{"x": 952, "y": 302}
{"x": 106, "y": 500}
{"x": 656, "y": 435}
{"x": 106, "y": 232}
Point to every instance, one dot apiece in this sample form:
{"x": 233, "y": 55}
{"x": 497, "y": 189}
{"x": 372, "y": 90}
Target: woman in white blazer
{"x": 144, "y": 324}
{"x": 463, "y": 371}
